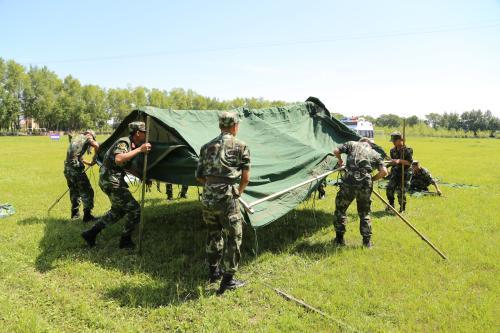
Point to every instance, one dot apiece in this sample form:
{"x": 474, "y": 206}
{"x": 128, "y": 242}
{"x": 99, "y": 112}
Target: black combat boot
{"x": 228, "y": 283}
{"x": 91, "y": 234}
{"x": 75, "y": 213}
{"x": 367, "y": 242}
{"x": 87, "y": 216}
{"x": 183, "y": 195}
{"x": 339, "y": 239}
{"x": 214, "y": 274}
{"x": 126, "y": 242}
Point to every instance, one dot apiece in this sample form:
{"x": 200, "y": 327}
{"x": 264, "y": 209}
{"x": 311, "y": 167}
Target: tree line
{"x": 472, "y": 121}
{"x": 65, "y": 104}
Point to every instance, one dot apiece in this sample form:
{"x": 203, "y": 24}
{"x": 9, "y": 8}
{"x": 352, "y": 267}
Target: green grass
{"x": 50, "y": 282}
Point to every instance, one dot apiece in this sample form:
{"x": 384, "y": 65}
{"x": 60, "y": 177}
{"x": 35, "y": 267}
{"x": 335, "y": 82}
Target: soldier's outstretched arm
{"x": 382, "y": 172}
{"x": 123, "y": 158}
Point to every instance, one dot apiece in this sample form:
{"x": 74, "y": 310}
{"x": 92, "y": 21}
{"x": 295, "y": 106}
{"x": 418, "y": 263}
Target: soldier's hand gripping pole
{"x": 143, "y": 194}
{"x": 441, "y": 254}
{"x": 62, "y": 195}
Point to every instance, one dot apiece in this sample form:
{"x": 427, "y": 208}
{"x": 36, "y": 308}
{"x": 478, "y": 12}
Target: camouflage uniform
{"x": 112, "y": 182}
{"x": 77, "y": 180}
{"x": 421, "y": 180}
{"x": 356, "y": 184}
{"x": 221, "y": 163}
{"x": 394, "y": 185}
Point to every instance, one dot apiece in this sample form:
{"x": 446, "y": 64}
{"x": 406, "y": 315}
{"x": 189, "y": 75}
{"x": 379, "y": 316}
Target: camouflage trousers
{"x": 122, "y": 203}
{"x": 225, "y": 229}
{"x": 394, "y": 186}
{"x": 79, "y": 187}
{"x": 345, "y": 196}
{"x": 170, "y": 190}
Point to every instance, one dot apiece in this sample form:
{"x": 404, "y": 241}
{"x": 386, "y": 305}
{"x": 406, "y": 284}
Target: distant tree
{"x": 389, "y": 120}
{"x": 94, "y": 99}
{"x": 492, "y": 123}
{"x": 338, "y": 115}
{"x": 450, "y": 121}
{"x": 369, "y": 118}
{"x": 13, "y": 82}
{"x": 412, "y": 121}
{"x": 433, "y": 120}
{"x": 120, "y": 103}
{"x": 473, "y": 121}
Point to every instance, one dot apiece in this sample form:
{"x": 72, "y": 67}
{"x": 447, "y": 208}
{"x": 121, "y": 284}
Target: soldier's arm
{"x": 122, "y": 158}
{"x": 245, "y": 170}
{"x": 342, "y": 149}
{"x": 382, "y": 171}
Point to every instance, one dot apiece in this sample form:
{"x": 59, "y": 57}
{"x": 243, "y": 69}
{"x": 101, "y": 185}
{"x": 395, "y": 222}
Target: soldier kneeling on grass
{"x": 78, "y": 182}
{"x": 421, "y": 178}
{"x": 112, "y": 182}
{"x": 357, "y": 183}
{"x": 223, "y": 162}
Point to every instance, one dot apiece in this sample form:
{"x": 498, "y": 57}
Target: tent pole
{"x": 411, "y": 226}
{"x": 143, "y": 194}
{"x": 277, "y": 194}
{"x": 402, "y": 165}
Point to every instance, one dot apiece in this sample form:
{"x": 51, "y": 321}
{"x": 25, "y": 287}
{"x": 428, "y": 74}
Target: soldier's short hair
{"x": 228, "y": 119}
{"x": 366, "y": 140}
{"x": 415, "y": 162}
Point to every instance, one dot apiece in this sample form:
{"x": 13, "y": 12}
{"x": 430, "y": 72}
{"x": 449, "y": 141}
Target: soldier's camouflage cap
{"x": 137, "y": 126}
{"x": 228, "y": 119}
{"x": 91, "y": 132}
{"x": 395, "y": 136}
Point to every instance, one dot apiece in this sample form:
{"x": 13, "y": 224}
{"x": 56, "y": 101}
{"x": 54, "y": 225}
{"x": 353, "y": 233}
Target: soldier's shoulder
{"x": 240, "y": 142}
{"x": 123, "y": 143}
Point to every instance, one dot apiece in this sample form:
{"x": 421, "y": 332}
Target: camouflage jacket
{"x": 225, "y": 157}
{"x": 78, "y": 146}
{"x": 361, "y": 161}
{"x": 421, "y": 179}
{"x": 398, "y": 154}
{"x": 111, "y": 174}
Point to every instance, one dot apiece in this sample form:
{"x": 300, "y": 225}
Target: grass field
{"x": 50, "y": 282}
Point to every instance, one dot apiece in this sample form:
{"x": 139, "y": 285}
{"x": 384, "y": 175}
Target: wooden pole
{"x": 403, "y": 201}
{"x": 441, "y": 254}
{"x": 144, "y": 179}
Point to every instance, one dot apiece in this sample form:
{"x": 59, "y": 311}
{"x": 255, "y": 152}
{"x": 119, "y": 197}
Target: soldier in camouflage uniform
{"x": 223, "y": 161}
{"x": 357, "y": 183}
{"x": 78, "y": 182}
{"x": 401, "y": 158}
{"x": 421, "y": 178}
{"x": 111, "y": 180}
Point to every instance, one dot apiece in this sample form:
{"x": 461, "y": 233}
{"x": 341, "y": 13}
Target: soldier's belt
{"x": 220, "y": 180}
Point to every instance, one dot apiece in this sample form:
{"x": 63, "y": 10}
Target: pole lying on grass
{"x": 248, "y": 206}
{"x": 309, "y": 307}
{"x": 62, "y": 195}
{"x": 441, "y": 254}
{"x": 143, "y": 194}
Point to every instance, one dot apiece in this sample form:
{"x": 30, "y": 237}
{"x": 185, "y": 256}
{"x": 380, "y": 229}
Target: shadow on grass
{"x": 173, "y": 250}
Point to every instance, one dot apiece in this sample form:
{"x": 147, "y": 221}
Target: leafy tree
{"x": 389, "y": 120}
{"x": 473, "y": 121}
{"x": 412, "y": 121}
{"x": 492, "y": 123}
{"x": 13, "y": 84}
{"x": 433, "y": 120}
{"x": 94, "y": 99}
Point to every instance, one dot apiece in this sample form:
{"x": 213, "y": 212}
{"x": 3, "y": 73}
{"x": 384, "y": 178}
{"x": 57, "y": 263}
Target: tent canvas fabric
{"x": 288, "y": 145}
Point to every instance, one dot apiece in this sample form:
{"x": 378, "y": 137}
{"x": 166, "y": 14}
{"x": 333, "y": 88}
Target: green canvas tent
{"x": 288, "y": 145}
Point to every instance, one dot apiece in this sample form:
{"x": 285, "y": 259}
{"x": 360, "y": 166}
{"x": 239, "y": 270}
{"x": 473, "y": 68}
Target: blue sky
{"x": 359, "y": 57}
